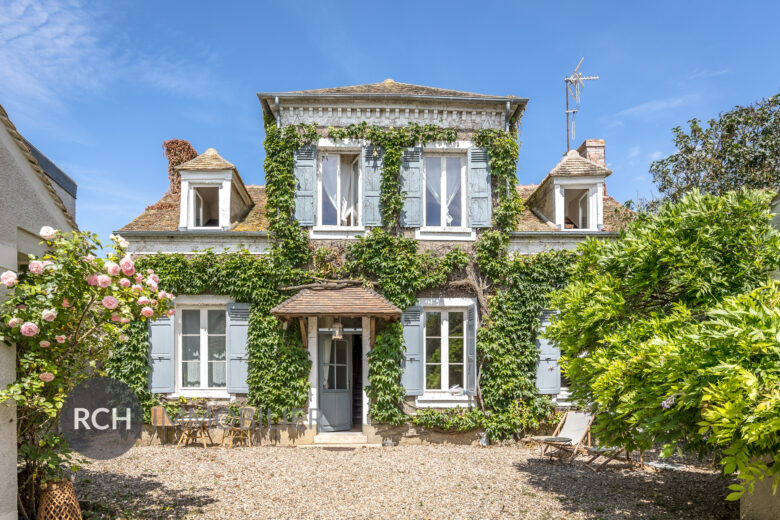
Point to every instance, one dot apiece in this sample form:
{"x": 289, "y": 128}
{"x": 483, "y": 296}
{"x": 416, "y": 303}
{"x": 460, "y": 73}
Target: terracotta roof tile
{"x": 528, "y": 220}
{"x": 344, "y": 302}
{"x": 164, "y": 214}
{"x": 208, "y": 160}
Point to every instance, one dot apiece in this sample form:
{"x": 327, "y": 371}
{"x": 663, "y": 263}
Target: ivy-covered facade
{"x": 391, "y": 270}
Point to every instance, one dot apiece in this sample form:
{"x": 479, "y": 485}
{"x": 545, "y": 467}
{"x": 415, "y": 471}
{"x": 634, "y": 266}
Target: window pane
{"x": 190, "y": 321}
{"x": 433, "y": 191}
{"x": 330, "y": 377}
{"x": 190, "y": 348}
{"x": 341, "y": 352}
{"x": 456, "y": 350}
{"x": 348, "y": 204}
{"x": 456, "y": 323}
{"x": 433, "y": 350}
{"x": 217, "y": 374}
{"x": 454, "y": 192}
{"x": 433, "y": 377}
{"x": 190, "y": 374}
{"x": 216, "y": 322}
{"x": 341, "y": 377}
{"x": 216, "y": 348}
{"x": 330, "y": 179}
{"x": 456, "y": 376}
{"x": 432, "y": 324}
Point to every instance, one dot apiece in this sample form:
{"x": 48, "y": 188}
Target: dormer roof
{"x": 574, "y": 165}
{"x": 209, "y": 160}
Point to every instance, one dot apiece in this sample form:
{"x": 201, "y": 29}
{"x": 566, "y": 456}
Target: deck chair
{"x": 160, "y": 421}
{"x": 242, "y": 430}
{"x": 568, "y": 440}
{"x": 608, "y": 454}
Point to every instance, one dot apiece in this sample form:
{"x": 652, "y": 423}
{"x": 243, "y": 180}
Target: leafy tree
{"x": 739, "y": 149}
{"x": 671, "y": 334}
{"x": 61, "y": 314}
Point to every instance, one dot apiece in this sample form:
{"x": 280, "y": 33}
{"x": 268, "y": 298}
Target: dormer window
{"x": 206, "y": 208}
{"x": 212, "y": 194}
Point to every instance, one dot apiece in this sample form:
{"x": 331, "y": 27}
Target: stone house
{"x": 35, "y": 193}
{"x": 201, "y": 352}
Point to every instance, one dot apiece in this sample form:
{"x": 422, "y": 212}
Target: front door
{"x": 335, "y": 383}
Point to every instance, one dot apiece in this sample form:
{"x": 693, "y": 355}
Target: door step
{"x": 340, "y": 438}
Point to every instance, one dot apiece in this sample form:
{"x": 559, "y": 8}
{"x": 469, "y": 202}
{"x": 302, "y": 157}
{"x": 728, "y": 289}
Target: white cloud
{"x": 633, "y": 152}
{"x": 707, "y": 73}
{"x": 657, "y": 105}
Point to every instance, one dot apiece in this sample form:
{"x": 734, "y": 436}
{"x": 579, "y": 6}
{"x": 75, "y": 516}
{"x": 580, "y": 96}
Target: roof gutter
{"x": 576, "y": 234}
{"x": 198, "y": 233}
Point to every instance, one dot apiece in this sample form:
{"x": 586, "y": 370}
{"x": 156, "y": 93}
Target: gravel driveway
{"x": 429, "y": 481}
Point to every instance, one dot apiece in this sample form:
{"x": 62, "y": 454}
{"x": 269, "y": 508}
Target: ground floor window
{"x": 202, "y": 349}
{"x": 445, "y": 345}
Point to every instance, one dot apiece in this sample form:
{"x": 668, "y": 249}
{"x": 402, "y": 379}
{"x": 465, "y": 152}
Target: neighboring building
{"x": 35, "y": 193}
{"x": 447, "y": 203}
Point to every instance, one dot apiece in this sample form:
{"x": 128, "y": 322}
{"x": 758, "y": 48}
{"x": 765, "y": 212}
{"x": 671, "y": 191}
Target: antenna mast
{"x": 574, "y": 84}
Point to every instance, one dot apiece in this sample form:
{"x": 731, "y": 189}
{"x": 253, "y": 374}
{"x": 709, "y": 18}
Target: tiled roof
{"x": 208, "y": 160}
{"x": 390, "y": 86}
{"x": 574, "y": 165}
{"x": 345, "y": 302}
{"x": 20, "y": 143}
{"x": 529, "y": 220}
{"x": 164, "y": 214}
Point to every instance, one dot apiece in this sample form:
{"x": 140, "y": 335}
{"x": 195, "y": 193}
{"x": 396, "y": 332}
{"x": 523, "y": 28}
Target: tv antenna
{"x": 574, "y": 84}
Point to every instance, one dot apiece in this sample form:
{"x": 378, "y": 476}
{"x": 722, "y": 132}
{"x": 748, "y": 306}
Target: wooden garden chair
{"x": 194, "y": 428}
{"x": 242, "y": 430}
{"x": 161, "y": 421}
{"x": 608, "y": 454}
{"x": 569, "y": 437}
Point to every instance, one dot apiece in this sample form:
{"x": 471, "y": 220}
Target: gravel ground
{"x": 430, "y": 481}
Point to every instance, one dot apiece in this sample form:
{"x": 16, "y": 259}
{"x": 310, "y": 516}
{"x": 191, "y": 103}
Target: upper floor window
{"x": 576, "y": 208}
{"x": 338, "y": 190}
{"x": 205, "y": 208}
{"x": 445, "y": 193}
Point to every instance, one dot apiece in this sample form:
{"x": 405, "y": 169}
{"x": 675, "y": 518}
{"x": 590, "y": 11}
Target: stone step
{"x": 337, "y": 438}
{"x": 339, "y": 446}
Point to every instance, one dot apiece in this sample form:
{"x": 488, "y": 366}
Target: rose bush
{"x": 62, "y": 314}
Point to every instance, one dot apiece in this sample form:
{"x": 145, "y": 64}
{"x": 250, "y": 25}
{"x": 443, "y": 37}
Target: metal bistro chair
{"x": 243, "y": 430}
{"x": 161, "y": 421}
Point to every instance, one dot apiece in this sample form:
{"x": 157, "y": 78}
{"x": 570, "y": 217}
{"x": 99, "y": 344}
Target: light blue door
{"x": 335, "y": 383}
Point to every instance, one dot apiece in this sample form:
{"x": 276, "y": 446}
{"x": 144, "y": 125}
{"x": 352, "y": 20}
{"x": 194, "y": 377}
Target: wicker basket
{"x": 58, "y": 502}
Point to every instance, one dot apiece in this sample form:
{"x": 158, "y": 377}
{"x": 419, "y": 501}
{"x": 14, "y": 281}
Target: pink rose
{"x": 35, "y": 267}
{"x": 148, "y": 312}
{"x": 162, "y": 295}
{"x": 8, "y": 278}
{"x": 114, "y": 317}
{"x": 14, "y": 322}
{"x": 46, "y": 377}
{"x": 124, "y": 282}
{"x": 127, "y": 265}
{"x": 139, "y": 278}
{"x": 88, "y": 258}
{"x": 110, "y": 303}
{"x": 49, "y": 314}
{"x": 143, "y": 300}
{"x": 152, "y": 285}
{"x": 154, "y": 302}
{"x": 155, "y": 278}
{"x": 65, "y": 303}
{"x": 44, "y": 344}
{"x": 104, "y": 280}
{"x": 124, "y": 320}
{"x": 171, "y": 312}
{"x": 60, "y": 338}
{"x": 92, "y": 279}
{"x": 137, "y": 288}
{"x": 112, "y": 269}
{"x": 150, "y": 271}
{"x": 29, "y": 329}
{"x": 48, "y": 232}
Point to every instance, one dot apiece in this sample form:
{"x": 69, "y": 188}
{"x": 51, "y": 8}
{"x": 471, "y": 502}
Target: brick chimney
{"x": 593, "y": 150}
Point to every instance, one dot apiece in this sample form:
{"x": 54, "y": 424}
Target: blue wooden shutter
{"x": 412, "y": 187}
{"x": 412, "y": 377}
{"x": 479, "y": 189}
{"x": 161, "y": 359}
{"x": 471, "y": 350}
{"x": 373, "y": 162}
{"x": 305, "y": 185}
{"x": 548, "y": 372}
{"x": 237, "y": 338}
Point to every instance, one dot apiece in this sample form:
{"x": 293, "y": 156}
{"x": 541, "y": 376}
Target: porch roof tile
{"x": 347, "y": 301}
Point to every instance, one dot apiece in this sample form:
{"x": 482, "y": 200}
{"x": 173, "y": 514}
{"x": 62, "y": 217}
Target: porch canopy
{"x": 336, "y": 301}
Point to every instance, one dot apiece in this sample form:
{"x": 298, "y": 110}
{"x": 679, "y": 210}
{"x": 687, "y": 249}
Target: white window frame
{"x": 201, "y": 391}
{"x": 358, "y": 203}
{"x": 445, "y": 348}
{"x": 443, "y": 191}
{"x": 193, "y": 193}
{"x": 594, "y": 187}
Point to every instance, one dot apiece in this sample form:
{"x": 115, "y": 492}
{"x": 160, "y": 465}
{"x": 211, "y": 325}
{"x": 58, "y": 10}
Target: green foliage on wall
{"x": 385, "y": 365}
{"x": 393, "y": 141}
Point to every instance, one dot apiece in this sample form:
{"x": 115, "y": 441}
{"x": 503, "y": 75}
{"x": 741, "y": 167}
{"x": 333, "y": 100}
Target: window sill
{"x": 445, "y": 233}
{"x": 216, "y": 393}
{"x": 444, "y": 399}
{"x": 336, "y": 232}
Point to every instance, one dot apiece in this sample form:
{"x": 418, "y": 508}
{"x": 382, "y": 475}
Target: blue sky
{"x": 98, "y": 86}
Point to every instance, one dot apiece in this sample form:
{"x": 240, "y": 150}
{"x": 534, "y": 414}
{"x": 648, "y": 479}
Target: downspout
{"x": 278, "y": 112}
{"x": 506, "y": 117}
